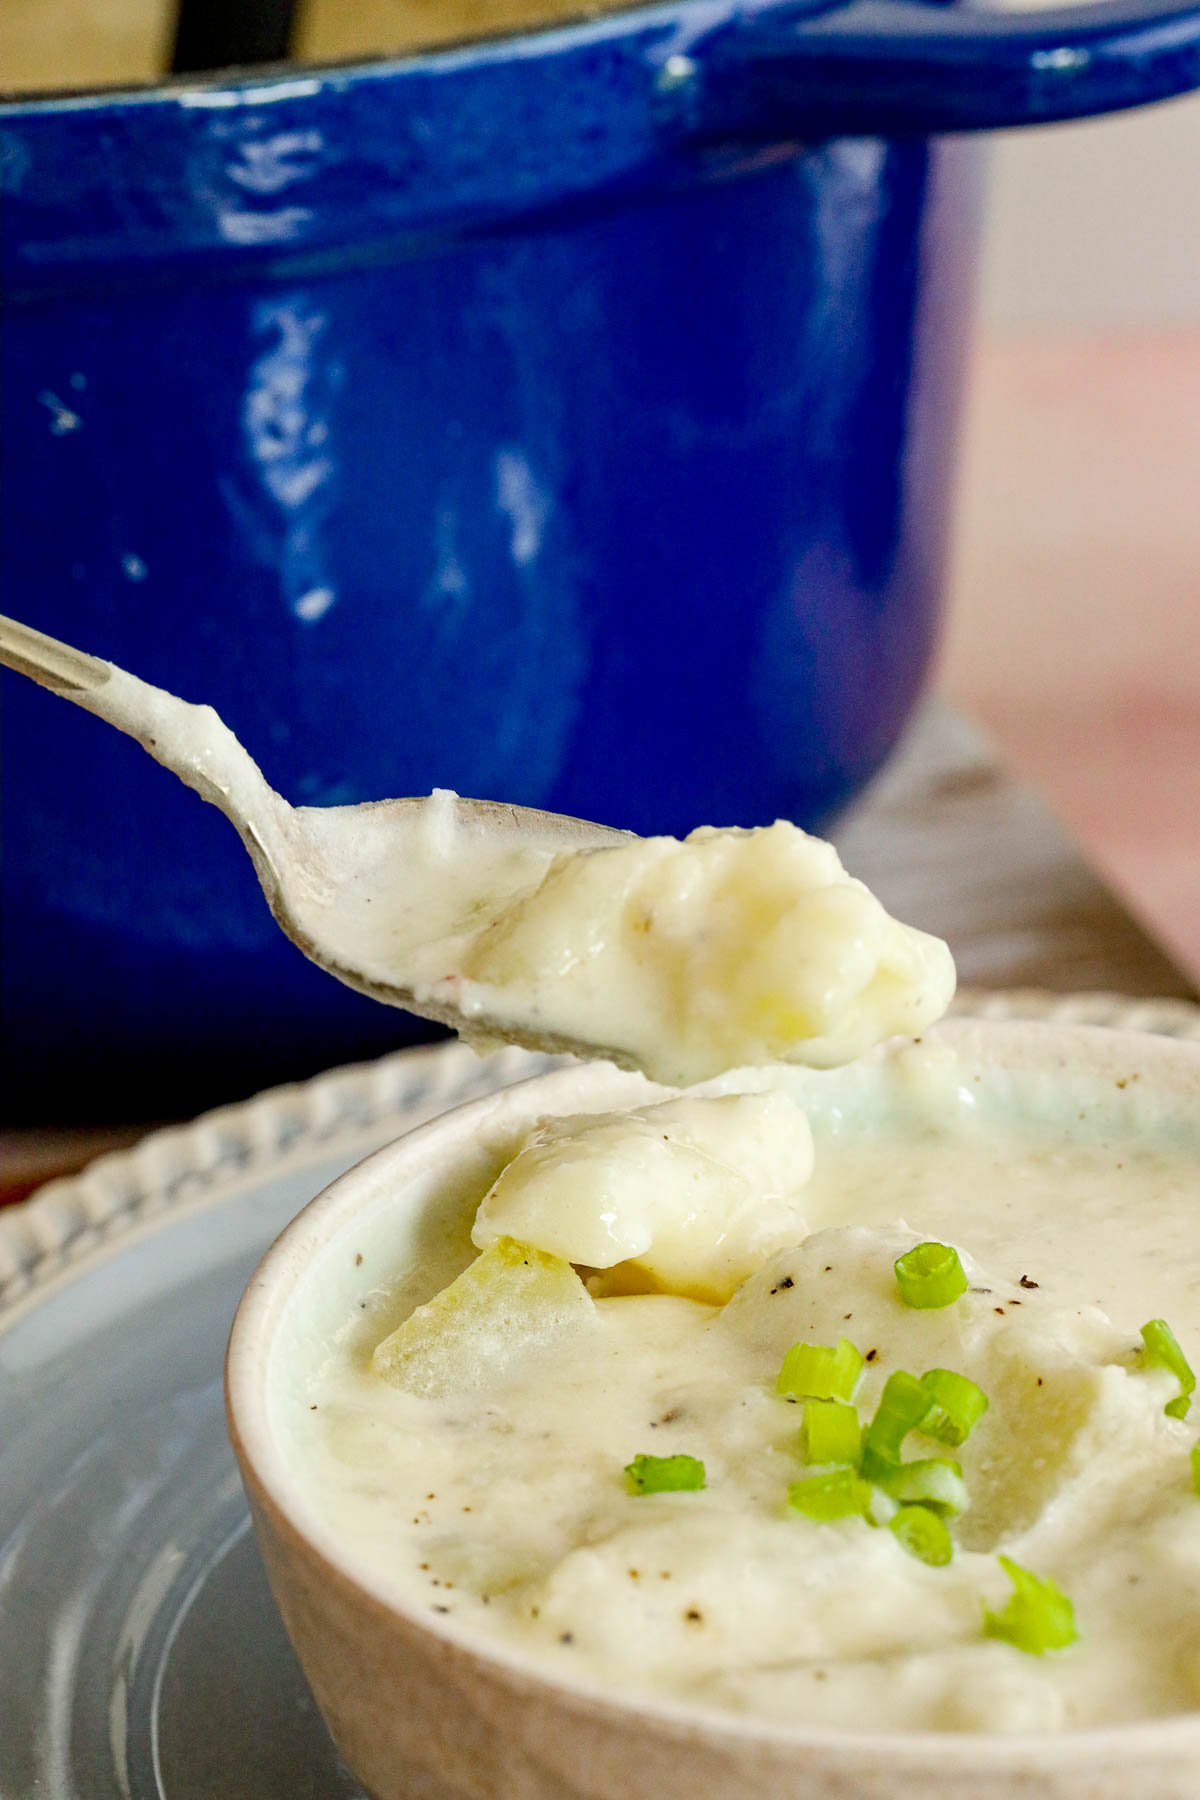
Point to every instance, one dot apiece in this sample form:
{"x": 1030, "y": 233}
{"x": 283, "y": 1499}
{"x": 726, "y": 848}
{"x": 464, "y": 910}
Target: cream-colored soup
{"x": 488, "y": 1485}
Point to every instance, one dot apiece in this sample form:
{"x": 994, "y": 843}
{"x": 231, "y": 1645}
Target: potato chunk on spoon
{"x": 679, "y": 958}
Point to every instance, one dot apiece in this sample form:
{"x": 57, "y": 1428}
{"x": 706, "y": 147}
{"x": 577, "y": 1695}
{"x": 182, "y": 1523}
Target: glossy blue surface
{"x": 512, "y": 420}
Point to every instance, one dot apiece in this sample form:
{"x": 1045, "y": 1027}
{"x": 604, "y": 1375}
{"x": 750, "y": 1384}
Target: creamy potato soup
{"x": 857, "y": 1398}
{"x": 689, "y": 958}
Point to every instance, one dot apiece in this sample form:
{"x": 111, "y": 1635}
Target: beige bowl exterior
{"x": 422, "y": 1710}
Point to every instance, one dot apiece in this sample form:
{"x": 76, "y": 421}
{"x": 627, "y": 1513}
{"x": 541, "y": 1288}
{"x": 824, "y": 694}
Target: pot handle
{"x": 889, "y": 67}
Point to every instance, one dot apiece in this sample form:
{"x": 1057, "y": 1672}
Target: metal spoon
{"x": 348, "y": 884}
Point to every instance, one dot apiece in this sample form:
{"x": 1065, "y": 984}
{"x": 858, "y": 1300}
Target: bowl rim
{"x": 1170, "y": 1068}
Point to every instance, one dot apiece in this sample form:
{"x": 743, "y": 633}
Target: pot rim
{"x": 1024, "y": 1048}
{"x": 696, "y": 21}
{"x": 463, "y": 137}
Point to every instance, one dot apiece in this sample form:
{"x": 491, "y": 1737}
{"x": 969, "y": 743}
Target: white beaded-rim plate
{"x": 140, "y": 1653}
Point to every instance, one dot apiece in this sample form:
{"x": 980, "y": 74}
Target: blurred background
{"x": 1074, "y": 630}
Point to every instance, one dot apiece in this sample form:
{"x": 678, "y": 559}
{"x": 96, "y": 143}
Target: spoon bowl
{"x": 361, "y": 890}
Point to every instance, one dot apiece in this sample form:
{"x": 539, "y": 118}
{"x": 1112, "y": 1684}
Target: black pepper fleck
{"x": 1026, "y": 1283}
{"x": 787, "y": 1282}
{"x": 870, "y": 1356}
{"x": 694, "y": 1616}
{"x": 566, "y": 1637}
{"x": 442, "y": 1609}
{"x": 358, "y": 1259}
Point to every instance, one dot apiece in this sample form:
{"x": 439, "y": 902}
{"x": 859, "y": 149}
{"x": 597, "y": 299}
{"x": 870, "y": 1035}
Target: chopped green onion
{"x": 819, "y": 1372}
{"x": 935, "y": 1481}
{"x": 839, "y": 1495}
{"x": 1196, "y": 1467}
{"x": 664, "y": 1474}
{"x": 1162, "y": 1348}
{"x": 903, "y": 1405}
{"x": 923, "y": 1534}
{"x": 1038, "y": 1615}
{"x": 930, "y": 1275}
{"x": 830, "y": 1433}
{"x": 958, "y": 1405}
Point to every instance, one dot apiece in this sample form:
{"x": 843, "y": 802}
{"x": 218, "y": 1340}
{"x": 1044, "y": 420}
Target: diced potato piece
{"x": 693, "y": 1194}
{"x": 511, "y": 1301}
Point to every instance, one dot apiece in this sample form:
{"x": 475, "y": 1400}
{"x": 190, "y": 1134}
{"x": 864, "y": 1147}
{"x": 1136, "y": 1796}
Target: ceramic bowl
{"x": 421, "y": 1707}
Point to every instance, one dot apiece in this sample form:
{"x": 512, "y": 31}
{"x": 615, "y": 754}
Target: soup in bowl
{"x": 812, "y": 1432}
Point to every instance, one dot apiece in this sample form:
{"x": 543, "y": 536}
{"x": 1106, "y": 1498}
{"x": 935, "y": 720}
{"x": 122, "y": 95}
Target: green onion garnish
{"x": 903, "y": 1405}
{"x": 664, "y": 1474}
{"x": 1038, "y": 1615}
{"x": 1162, "y": 1348}
{"x": 839, "y": 1495}
{"x": 923, "y": 1534}
{"x": 819, "y": 1372}
{"x": 1196, "y": 1467}
{"x": 930, "y": 1275}
{"x": 958, "y": 1405}
{"x": 935, "y": 1481}
{"x": 830, "y": 1433}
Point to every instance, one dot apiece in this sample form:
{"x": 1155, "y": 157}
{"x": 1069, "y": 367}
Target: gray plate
{"x": 141, "y": 1656}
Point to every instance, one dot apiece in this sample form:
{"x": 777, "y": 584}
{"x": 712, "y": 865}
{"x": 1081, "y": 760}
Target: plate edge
{"x": 69, "y": 1220}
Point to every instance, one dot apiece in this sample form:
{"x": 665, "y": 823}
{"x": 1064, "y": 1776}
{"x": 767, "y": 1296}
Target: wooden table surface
{"x": 951, "y": 842}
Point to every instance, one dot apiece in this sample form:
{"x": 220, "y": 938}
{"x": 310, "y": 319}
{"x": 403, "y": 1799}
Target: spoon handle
{"x": 192, "y": 741}
{"x": 56, "y": 666}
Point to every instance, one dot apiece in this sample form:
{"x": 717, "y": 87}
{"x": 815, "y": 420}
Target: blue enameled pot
{"x": 566, "y": 419}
